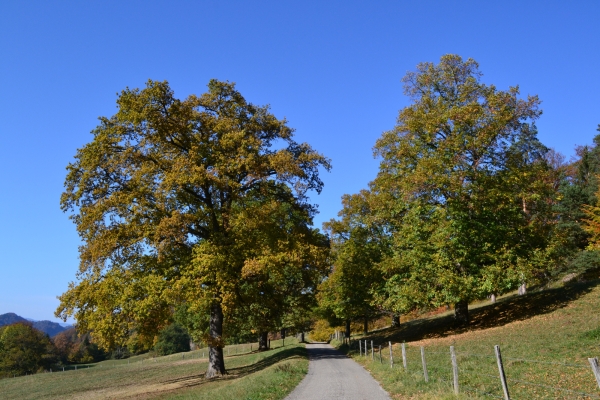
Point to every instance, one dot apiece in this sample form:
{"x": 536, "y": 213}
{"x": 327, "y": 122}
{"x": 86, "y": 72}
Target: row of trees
{"x": 196, "y": 211}
{"x": 27, "y": 350}
{"x": 467, "y": 204}
{"x": 195, "y": 208}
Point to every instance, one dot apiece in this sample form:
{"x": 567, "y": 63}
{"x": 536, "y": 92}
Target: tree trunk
{"x": 461, "y": 312}
{"x": 216, "y": 362}
{"x": 263, "y": 341}
{"x": 523, "y": 289}
{"x": 302, "y": 337}
{"x": 283, "y": 333}
{"x": 395, "y": 320}
{"x": 347, "y": 328}
{"x": 493, "y": 298}
{"x": 366, "y": 327}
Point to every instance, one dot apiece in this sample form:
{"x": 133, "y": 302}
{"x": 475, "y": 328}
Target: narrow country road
{"x": 333, "y": 376}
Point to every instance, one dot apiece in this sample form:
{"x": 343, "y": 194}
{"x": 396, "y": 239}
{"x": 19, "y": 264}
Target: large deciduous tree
{"x": 197, "y": 201}
{"x": 358, "y": 245}
{"x": 468, "y": 173}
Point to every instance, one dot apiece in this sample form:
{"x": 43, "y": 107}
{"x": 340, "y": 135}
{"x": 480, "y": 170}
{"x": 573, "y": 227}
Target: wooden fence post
{"x": 404, "y": 355}
{"x": 359, "y": 348}
{"x": 501, "y": 370}
{"x": 380, "y": 356}
{"x": 391, "y": 356}
{"x": 425, "y": 374}
{"x": 454, "y": 369}
{"x": 372, "y": 352}
{"x": 595, "y": 369}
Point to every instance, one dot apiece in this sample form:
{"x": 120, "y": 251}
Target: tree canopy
{"x": 465, "y": 171}
{"x": 25, "y": 350}
{"x": 170, "y": 199}
{"x": 358, "y": 245}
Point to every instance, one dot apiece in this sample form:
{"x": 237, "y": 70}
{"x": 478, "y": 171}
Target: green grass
{"x": 251, "y": 376}
{"x": 545, "y": 337}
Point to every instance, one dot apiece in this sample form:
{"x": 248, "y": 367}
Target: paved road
{"x": 333, "y": 376}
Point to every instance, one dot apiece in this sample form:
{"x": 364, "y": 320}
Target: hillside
{"x": 545, "y": 337}
{"x": 10, "y": 318}
{"x": 268, "y": 375}
{"x": 48, "y": 327}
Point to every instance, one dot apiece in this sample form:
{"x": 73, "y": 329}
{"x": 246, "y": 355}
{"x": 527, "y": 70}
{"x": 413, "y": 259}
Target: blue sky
{"x": 332, "y": 68}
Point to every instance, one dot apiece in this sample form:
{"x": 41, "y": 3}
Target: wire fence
{"x": 483, "y": 375}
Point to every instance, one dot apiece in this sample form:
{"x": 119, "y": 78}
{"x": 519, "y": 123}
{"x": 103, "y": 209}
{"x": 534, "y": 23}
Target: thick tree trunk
{"x": 493, "y": 298}
{"x": 395, "y": 320}
{"x": 461, "y": 312}
{"x": 216, "y": 362}
{"x": 366, "y": 326}
{"x": 283, "y": 333}
{"x": 523, "y": 289}
{"x": 302, "y": 337}
{"x": 263, "y": 341}
{"x": 347, "y": 328}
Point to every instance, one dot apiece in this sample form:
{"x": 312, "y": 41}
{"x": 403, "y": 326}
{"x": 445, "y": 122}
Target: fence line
{"x": 430, "y": 370}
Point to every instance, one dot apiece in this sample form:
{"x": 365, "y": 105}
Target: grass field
{"x": 545, "y": 337}
{"x": 251, "y": 376}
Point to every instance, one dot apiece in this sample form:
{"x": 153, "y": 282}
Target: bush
{"x": 72, "y": 348}
{"x": 173, "y": 339}
{"x": 321, "y": 331}
{"x": 25, "y": 350}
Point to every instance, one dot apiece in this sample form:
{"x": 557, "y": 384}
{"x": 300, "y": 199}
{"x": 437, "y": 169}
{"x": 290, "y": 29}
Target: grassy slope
{"x": 267, "y": 375}
{"x": 557, "y": 326}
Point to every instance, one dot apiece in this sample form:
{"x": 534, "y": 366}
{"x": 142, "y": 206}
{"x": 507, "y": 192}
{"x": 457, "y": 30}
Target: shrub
{"x": 74, "y": 348}
{"x": 321, "y": 331}
{"x": 25, "y": 350}
{"x": 173, "y": 339}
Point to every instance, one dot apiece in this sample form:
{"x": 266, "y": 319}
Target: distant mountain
{"x": 48, "y": 327}
{"x": 10, "y": 318}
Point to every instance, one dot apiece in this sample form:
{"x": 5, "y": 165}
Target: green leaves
{"x": 358, "y": 244}
{"x": 25, "y": 350}
{"x": 175, "y": 199}
{"x": 465, "y": 166}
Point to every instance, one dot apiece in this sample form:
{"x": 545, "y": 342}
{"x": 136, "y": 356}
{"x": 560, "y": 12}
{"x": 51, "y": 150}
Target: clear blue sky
{"x": 332, "y": 68}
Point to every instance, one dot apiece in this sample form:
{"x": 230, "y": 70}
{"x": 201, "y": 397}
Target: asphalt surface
{"x": 332, "y": 376}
